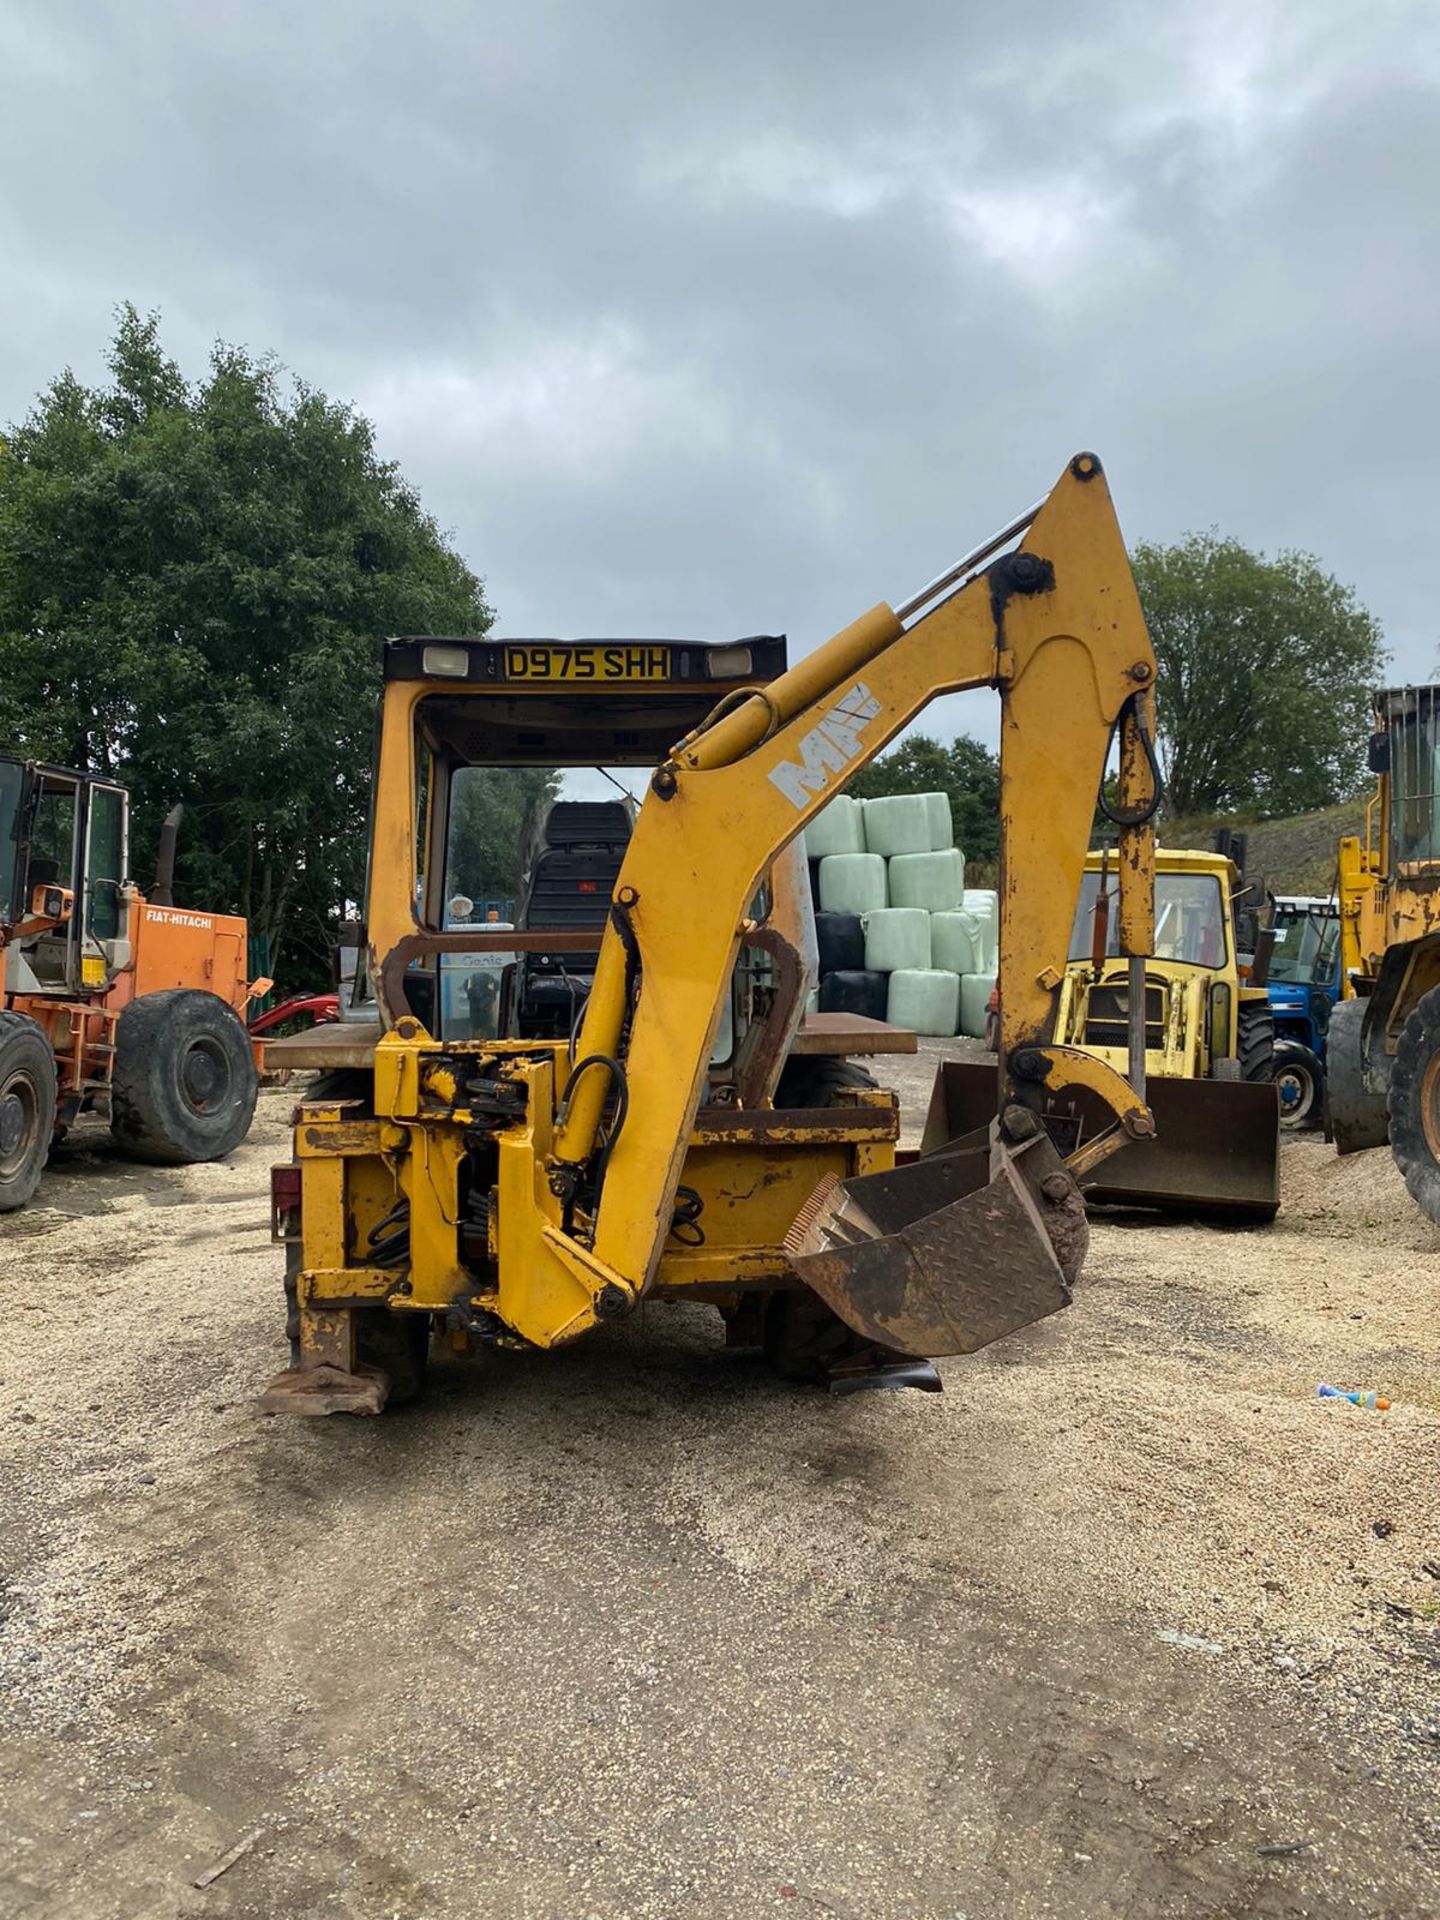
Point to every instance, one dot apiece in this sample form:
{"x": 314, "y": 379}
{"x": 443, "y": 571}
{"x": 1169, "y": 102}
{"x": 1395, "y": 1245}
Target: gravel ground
{"x": 1124, "y": 1623}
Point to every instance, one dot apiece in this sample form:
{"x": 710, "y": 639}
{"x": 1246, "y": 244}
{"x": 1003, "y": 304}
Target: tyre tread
{"x": 137, "y": 1117}
{"x": 1418, "y": 1041}
{"x": 19, "y": 1031}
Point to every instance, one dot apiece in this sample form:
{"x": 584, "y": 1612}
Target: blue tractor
{"x": 1304, "y": 983}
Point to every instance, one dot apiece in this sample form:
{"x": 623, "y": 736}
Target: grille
{"x": 1107, "y": 1019}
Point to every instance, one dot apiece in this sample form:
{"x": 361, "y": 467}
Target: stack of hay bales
{"x": 901, "y": 937}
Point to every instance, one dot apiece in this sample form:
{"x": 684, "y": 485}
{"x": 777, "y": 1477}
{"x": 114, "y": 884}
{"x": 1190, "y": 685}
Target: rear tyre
{"x": 1356, "y": 1115}
{"x": 399, "y": 1344}
{"x": 816, "y": 1080}
{"x": 1415, "y": 1103}
{"x": 27, "y": 1108}
{"x": 184, "y": 1084}
{"x": 1255, "y": 1042}
{"x": 802, "y": 1338}
{"x": 1300, "y": 1080}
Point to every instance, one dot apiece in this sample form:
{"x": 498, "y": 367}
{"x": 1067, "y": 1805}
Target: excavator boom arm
{"x": 1056, "y": 627}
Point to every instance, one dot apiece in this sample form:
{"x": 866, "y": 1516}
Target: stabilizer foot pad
{"x": 326, "y": 1389}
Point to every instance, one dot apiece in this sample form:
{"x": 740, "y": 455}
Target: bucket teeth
{"x": 807, "y": 1230}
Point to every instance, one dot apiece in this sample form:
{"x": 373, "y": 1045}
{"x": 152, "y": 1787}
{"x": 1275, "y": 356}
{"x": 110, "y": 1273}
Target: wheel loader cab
{"x": 63, "y": 872}
{"x": 113, "y": 1005}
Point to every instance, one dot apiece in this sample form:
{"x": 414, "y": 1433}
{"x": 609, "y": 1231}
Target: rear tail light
{"x": 284, "y": 1199}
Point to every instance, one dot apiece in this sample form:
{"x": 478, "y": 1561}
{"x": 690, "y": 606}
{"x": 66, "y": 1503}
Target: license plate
{"x": 633, "y": 662}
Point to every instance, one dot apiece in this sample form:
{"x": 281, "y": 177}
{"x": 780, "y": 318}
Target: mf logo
{"x": 828, "y": 748}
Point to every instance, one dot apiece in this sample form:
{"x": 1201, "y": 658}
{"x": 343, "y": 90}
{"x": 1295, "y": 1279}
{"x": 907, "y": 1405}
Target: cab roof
{"x": 1177, "y": 860}
{"x": 641, "y": 666}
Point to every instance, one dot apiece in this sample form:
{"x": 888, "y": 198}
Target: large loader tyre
{"x": 1300, "y": 1079}
{"x": 802, "y": 1337}
{"x": 1255, "y": 1042}
{"x": 1356, "y": 1115}
{"x": 184, "y": 1083}
{"x": 814, "y": 1079}
{"x": 397, "y": 1343}
{"x": 1415, "y": 1103}
{"x": 27, "y": 1107}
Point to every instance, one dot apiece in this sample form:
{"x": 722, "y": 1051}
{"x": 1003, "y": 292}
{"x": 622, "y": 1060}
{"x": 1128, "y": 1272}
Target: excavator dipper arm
{"x": 1055, "y": 626}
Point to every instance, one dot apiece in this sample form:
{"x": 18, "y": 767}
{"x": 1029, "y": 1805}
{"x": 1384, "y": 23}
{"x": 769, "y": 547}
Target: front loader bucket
{"x": 954, "y": 1250}
{"x": 1216, "y": 1148}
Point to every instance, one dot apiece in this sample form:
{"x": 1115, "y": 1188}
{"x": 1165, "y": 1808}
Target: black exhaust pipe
{"x": 162, "y": 893}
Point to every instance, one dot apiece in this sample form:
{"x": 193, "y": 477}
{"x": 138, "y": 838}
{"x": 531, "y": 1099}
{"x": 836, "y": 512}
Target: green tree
{"x": 194, "y": 583}
{"x": 968, "y": 772}
{"x": 1265, "y": 667}
{"x": 495, "y": 813}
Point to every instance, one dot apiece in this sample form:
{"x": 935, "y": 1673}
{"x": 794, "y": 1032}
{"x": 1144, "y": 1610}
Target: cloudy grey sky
{"x": 687, "y": 318}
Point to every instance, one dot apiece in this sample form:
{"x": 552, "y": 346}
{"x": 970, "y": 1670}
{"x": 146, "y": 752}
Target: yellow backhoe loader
{"x": 1382, "y": 1048}
{"x": 493, "y": 1178}
{"x": 1209, "y": 1041}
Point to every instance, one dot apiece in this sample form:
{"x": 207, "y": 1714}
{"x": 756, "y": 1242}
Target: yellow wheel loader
{"x": 1382, "y": 1047}
{"x": 494, "y": 1177}
{"x": 1208, "y": 1045}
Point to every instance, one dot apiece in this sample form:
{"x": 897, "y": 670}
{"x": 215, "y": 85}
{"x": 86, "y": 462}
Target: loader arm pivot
{"x": 1055, "y": 626}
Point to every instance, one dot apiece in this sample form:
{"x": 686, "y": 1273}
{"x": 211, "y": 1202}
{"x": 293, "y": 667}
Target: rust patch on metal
{"x": 757, "y": 1065}
{"x": 795, "y": 1126}
{"x": 317, "y": 1391}
{"x": 332, "y": 1136}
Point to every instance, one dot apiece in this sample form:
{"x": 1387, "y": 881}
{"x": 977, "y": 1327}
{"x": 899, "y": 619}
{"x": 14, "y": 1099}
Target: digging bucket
{"x": 957, "y": 1249}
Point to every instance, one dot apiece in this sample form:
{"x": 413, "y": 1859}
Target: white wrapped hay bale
{"x": 984, "y": 904}
{"x": 942, "y": 822}
{"x": 897, "y": 939}
{"x": 935, "y": 881}
{"x": 924, "y": 999}
{"x": 898, "y": 824}
{"x": 975, "y": 992}
{"x": 954, "y": 941}
{"x": 837, "y": 828}
{"x": 852, "y": 883}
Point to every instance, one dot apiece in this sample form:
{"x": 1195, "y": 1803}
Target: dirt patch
{"x": 1127, "y": 1622}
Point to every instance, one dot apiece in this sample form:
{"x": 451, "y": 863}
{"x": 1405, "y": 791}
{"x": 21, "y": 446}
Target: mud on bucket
{"x": 957, "y": 1249}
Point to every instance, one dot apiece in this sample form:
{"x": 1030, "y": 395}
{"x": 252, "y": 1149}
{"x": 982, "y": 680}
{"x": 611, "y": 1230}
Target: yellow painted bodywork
{"x": 1388, "y": 908}
{"x": 1188, "y": 1046}
{"x": 1065, "y": 659}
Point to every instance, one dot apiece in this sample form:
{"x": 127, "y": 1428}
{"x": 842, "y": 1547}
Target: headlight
{"x": 729, "y": 663}
{"x": 446, "y": 663}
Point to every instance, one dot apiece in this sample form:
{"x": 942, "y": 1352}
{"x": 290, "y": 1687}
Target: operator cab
{"x": 64, "y": 848}
{"x": 1307, "y": 942}
{"x": 530, "y": 759}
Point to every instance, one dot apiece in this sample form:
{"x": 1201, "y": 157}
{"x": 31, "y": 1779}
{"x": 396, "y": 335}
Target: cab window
{"x": 1189, "y": 919}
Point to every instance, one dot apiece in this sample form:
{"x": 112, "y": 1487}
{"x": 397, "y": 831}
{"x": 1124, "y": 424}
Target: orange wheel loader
{"x": 114, "y": 1003}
